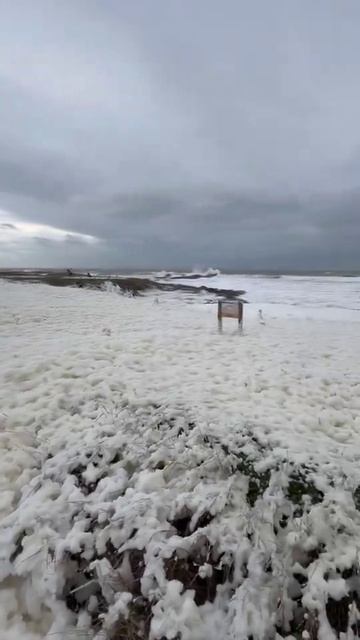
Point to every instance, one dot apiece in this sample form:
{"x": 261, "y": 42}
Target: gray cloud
{"x": 182, "y": 133}
{"x": 44, "y": 242}
{"x": 41, "y": 182}
{"x": 7, "y": 225}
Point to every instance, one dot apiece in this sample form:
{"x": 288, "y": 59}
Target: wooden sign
{"x": 230, "y": 309}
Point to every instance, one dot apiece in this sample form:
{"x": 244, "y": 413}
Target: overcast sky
{"x": 177, "y": 133}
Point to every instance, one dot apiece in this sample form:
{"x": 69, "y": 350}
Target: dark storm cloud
{"x": 181, "y": 133}
{"x": 40, "y": 182}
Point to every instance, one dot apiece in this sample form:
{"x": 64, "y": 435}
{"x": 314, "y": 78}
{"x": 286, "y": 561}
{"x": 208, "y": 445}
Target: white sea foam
{"x": 86, "y": 375}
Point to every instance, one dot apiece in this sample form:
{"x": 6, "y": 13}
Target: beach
{"x": 165, "y": 480}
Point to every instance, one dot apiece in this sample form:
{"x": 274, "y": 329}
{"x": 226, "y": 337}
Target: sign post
{"x": 230, "y": 309}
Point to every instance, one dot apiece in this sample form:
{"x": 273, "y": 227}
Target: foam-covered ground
{"x": 122, "y": 417}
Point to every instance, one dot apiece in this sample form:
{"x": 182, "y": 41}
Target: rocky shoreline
{"x": 133, "y": 285}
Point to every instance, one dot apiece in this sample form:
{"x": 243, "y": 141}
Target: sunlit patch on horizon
{"x": 13, "y": 229}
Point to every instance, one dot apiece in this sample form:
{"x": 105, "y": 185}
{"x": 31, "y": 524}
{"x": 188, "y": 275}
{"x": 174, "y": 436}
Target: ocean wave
{"x": 192, "y": 275}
